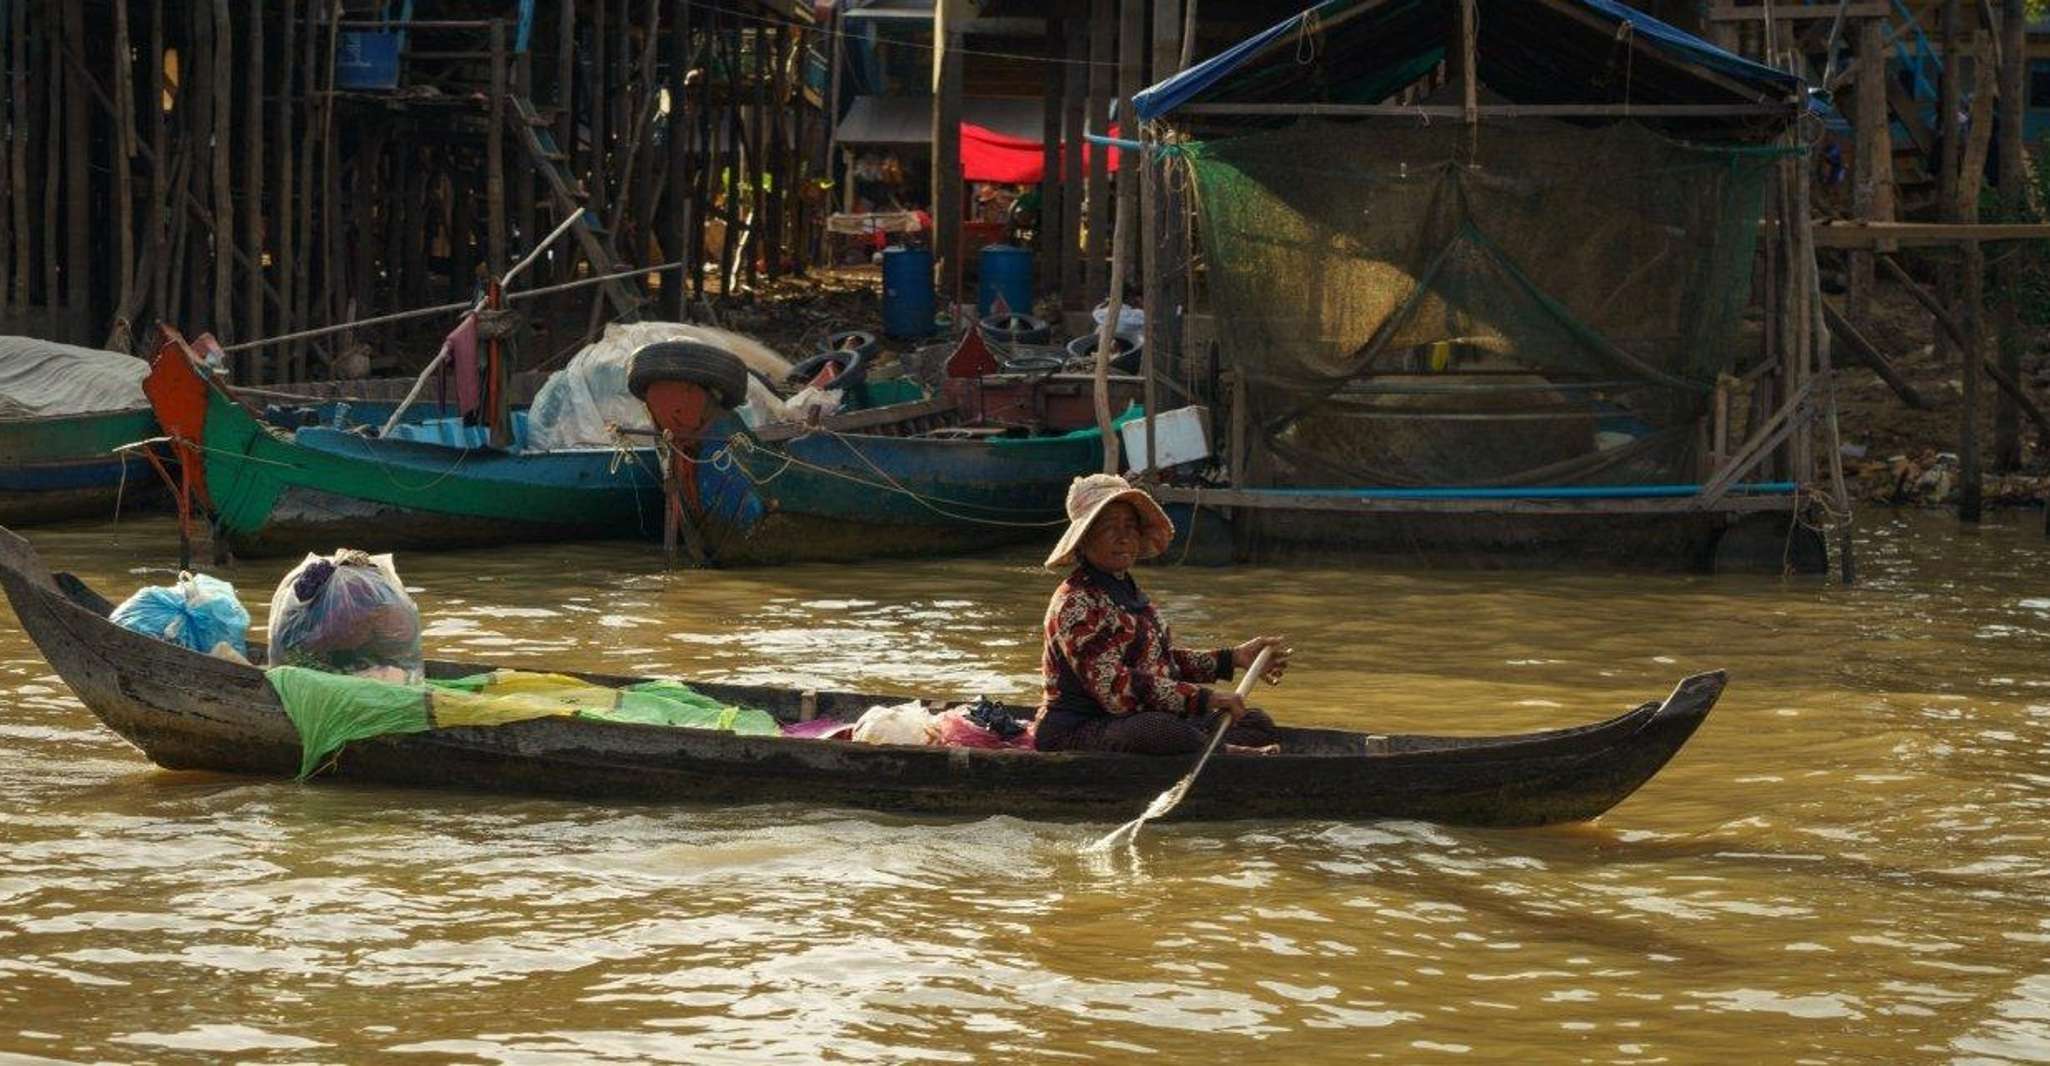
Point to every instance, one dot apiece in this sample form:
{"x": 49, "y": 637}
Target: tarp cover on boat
{"x": 331, "y": 710}
{"x": 577, "y": 406}
{"x": 41, "y": 378}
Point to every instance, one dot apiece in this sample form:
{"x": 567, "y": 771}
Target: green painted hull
{"x": 322, "y": 488}
{"x": 827, "y": 497}
{"x": 66, "y": 467}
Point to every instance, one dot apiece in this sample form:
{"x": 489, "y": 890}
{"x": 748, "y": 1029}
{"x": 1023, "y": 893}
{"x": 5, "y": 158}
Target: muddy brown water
{"x": 1847, "y": 864}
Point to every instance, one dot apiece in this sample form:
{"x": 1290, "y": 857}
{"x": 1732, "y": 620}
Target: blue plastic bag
{"x": 199, "y": 612}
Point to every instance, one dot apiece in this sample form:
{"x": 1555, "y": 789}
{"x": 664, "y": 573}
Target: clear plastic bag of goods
{"x": 199, "y": 612}
{"x": 347, "y": 613}
{"x": 905, "y": 723}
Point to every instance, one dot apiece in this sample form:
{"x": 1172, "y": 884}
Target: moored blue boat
{"x": 817, "y": 493}
{"x": 64, "y": 410}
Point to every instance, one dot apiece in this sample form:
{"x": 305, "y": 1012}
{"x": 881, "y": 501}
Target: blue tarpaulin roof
{"x": 1360, "y": 51}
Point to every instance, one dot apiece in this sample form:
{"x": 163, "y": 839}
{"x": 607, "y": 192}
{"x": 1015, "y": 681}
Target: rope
{"x": 739, "y": 444}
{"x": 194, "y": 445}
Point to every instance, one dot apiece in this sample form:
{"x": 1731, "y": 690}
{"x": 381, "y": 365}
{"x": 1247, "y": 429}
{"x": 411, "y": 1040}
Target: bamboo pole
{"x": 1950, "y": 91}
{"x": 779, "y": 175}
{"x": 1872, "y": 182}
{"x": 332, "y": 270}
{"x": 1072, "y": 118}
{"x": 78, "y": 265}
{"x": 288, "y": 258}
{"x": 1969, "y": 488}
{"x": 678, "y": 190}
{"x": 1102, "y": 27}
{"x": 757, "y": 198}
{"x": 53, "y": 174}
{"x": 121, "y": 332}
{"x": 223, "y": 96}
{"x": 2014, "y": 178}
{"x": 729, "y": 171}
{"x": 22, "y": 119}
{"x": 257, "y": 370}
{"x": 305, "y": 246}
{"x": 8, "y": 190}
{"x": 494, "y": 154}
{"x": 525, "y": 205}
{"x": 1137, "y": 202}
{"x": 1049, "y": 257}
{"x": 566, "y": 107}
{"x": 594, "y": 117}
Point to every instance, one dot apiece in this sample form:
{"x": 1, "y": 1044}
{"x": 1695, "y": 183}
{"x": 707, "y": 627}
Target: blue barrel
{"x": 907, "y": 291}
{"x": 1006, "y": 271}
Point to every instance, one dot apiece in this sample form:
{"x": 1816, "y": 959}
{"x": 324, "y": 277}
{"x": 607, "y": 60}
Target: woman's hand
{"x": 1242, "y": 657}
{"x": 1231, "y": 703}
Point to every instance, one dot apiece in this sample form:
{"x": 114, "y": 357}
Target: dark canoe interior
{"x": 186, "y": 710}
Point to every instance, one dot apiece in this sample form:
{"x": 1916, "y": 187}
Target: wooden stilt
{"x": 681, "y": 203}
{"x": 949, "y": 76}
{"x": 2014, "y": 178}
{"x": 1969, "y": 488}
{"x": 494, "y": 156}
{"x": 1102, "y": 69}
{"x": 1872, "y": 175}
{"x": 285, "y": 221}
{"x": 1075, "y": 78}
{"x": 78, "y": 265}
{"x": 1950, "y": 92}
{"x": 121, "y": 332}
{"x": 23, "y": 119}
{"x": 222, "y": 92}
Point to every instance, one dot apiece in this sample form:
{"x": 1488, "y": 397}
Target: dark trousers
{"x": 1148, "y": 732}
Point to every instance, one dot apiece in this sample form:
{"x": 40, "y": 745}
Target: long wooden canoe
{"x": 193, "y": 712}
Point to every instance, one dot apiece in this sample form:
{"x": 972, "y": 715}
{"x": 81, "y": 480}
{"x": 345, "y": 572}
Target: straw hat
{"x": 1087, "y": 498}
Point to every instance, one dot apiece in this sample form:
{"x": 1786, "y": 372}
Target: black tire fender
{"x": 719, "y": 372}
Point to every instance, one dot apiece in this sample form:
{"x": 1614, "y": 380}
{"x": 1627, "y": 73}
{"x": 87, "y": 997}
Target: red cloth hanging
{"x": 987, "y": 155}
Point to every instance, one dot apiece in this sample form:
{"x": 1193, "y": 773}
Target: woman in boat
{"x": 1115, "y": 681}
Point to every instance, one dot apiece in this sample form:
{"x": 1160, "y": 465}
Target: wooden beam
{"x": 1458, "y": 111}
{"x": 1256, "y": 499}
{"x": 1841, "y": 328}
{"x": 1463, "y": 55}
{"x": 1909, "y": 234}
{"x": 1866, "y": 9}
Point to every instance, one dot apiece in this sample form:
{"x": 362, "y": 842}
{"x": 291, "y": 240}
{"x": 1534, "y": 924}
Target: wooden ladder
{"x": 531, "y": 130}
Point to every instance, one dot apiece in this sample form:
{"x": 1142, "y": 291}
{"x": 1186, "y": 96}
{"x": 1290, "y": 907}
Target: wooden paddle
{"x": 1172, "y": 798}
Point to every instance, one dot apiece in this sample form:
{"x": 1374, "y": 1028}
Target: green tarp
{"x": 330, "y": 710}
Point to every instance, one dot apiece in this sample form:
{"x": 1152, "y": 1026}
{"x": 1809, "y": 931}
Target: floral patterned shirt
{"x": 1108, "y": 652}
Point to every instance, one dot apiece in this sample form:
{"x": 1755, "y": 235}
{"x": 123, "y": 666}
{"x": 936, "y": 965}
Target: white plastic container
{"x": 1181, "y": 435}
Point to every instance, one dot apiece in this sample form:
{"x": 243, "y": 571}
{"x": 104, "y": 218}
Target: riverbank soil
{"x": 1902, "y": 455}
